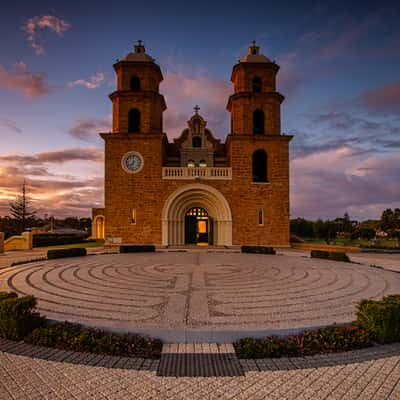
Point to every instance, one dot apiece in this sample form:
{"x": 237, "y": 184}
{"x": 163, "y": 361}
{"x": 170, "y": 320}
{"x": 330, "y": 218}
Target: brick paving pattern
{"x": 364, "y": 374}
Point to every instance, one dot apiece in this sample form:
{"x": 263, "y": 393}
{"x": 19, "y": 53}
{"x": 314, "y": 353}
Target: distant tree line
{"x": 389, "y": 223}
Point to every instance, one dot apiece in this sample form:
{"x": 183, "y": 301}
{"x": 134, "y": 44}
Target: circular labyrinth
{"x": 201, "y": 291}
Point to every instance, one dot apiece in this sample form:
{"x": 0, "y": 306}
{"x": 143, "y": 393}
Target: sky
{"x": 340, "y": 75}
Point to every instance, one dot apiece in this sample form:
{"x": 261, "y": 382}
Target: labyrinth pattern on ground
{"x": 199, "y": 290}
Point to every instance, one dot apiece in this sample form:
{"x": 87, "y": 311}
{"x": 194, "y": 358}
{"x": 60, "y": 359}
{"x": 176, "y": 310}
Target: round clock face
{"x": 132, "y": 162}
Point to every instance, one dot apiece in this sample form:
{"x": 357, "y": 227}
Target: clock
{"x": 132, "y": 162}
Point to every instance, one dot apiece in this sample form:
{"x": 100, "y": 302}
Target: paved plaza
{"x": 204, "y": 291}
{"x": 206, "y": 296}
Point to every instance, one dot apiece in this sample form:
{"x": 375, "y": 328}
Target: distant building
{"x": 195, "y": 189}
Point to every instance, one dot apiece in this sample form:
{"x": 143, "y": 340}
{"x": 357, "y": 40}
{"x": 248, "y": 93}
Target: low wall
{"x": 23, "y": 242}
{"x": 1, "y": 242}
{"x": 327, "y": 247}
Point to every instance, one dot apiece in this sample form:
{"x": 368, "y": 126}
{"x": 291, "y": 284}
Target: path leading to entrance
{"x": 199, "y": 296}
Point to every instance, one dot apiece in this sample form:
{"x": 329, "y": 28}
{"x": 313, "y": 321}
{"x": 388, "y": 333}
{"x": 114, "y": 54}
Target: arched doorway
{"x": 203, "y": 197}
{"x": 98, "y": 231}
{"x": 198, "y": 227}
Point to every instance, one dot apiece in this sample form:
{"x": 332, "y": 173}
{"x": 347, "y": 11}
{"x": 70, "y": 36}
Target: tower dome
{"x": 253, "y": 55}
{"x": 139, "y": 55}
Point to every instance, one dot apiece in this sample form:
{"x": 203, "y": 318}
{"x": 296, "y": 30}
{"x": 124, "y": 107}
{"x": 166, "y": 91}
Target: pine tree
{"x": 19, "y": 209}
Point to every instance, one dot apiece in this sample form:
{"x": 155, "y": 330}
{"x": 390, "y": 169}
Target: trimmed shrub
{"x": 8, "y": 295}
{"x": 55, "y": 239}
{"x": 63, "y": 253}
{"x": 258, "y": 249}
{"x": 74, "y": 337}
{"x": 330, "y": 255}
{"x": 380, "y": 318}
{"x": 324, "y": 340}
{"x": 17, "y": 318}
{"x": 137, "y": 248}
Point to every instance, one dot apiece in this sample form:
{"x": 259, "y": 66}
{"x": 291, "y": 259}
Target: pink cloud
{"x": 183, "y": 92}
{"x": 19, "y": 79}
{"x": 327, "y": 183}
{"x": 93, "y": 82}
{"x": 88, "y": 129}
{"x": 63, "y": 182}
{"x": 35, "y": 24}
{"x": 385, "y": 99}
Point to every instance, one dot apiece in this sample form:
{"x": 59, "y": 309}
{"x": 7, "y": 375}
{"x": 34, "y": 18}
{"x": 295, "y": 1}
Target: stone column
{"x": 1, "y": 242}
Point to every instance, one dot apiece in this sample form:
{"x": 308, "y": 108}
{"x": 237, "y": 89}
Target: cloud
{"x": 382, "y": 100}
{"x": 34, "y": 25}
{"x": 87, "y": 129}
{"x": 10, "y": 124}
{"x": 184, "y": 89}
{"x": 332, "y": 130}
{"x": 328, "y": 183}
{"x": 93, "y": 82}
{"x": 62, "y": 182}
{"x": 93, "y": 154}
{"x": 19, "y": 79}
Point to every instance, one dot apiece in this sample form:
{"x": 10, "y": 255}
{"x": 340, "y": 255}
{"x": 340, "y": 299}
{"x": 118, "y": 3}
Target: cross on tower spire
{"x": 196, "y": 109}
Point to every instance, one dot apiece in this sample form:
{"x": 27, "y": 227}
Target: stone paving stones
{"x": 199, "y": 292}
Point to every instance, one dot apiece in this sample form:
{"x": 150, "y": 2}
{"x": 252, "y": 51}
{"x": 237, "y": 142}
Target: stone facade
{"x": 151, "y": 183}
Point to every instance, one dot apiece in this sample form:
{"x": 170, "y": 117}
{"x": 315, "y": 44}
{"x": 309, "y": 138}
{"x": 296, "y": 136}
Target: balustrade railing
{"x": 197, "y": 173}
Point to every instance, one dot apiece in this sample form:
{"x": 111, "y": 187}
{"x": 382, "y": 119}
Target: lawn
{"x": 386, "y": 243}
{"x": 99, "y": 243}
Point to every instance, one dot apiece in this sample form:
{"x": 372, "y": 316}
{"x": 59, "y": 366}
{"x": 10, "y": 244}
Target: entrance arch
{"x": 98, "y": 227}
{"x": 202, "y": 196}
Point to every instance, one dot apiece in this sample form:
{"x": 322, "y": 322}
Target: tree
{"x": 19, "y": 209}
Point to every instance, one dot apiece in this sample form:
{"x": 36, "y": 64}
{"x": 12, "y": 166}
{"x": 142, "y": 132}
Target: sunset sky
{"x": 340, "y": 74}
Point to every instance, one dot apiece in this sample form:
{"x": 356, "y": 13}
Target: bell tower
{"x": 137, "y": 103}
{"x": 255, "y": 104}
{"x": 258, "y": 153}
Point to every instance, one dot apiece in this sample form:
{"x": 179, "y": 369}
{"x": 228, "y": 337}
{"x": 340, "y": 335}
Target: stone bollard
{"x": 1, "y": 242}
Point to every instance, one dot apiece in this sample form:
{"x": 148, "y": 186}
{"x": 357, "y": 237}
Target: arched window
{"x": 258, "y": 122}
{"x": 257, "y": 85}
{"x": 202, "y": 164}
{"x": 134, "y": 120}
{"x": 260, "y": 166}
{"x": 191, "y": 164}
{"x": 135, "y": 83}
{"x": 196, "y": 141}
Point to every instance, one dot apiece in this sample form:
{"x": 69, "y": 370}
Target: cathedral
{"x": 195, "y": 190}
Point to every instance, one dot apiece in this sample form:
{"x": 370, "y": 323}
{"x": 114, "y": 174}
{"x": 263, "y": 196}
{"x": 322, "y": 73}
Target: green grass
{"x": 355, "y": 242}
{"x": 99, "y": 243}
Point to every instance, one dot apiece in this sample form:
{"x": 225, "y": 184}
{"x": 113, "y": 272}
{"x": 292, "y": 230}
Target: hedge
{"x": 330, "y": 255}
{"x": 324, "y": 340}
{"x": 63, "y": 253}
{"x": 380, "y": 318}
{"x": 17, "y": 318}
{"x": 258, "y": 250}
{"x": 74, "y": 337}
{"x": 137, "y": 248}
{"x": 55, "y": 239}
